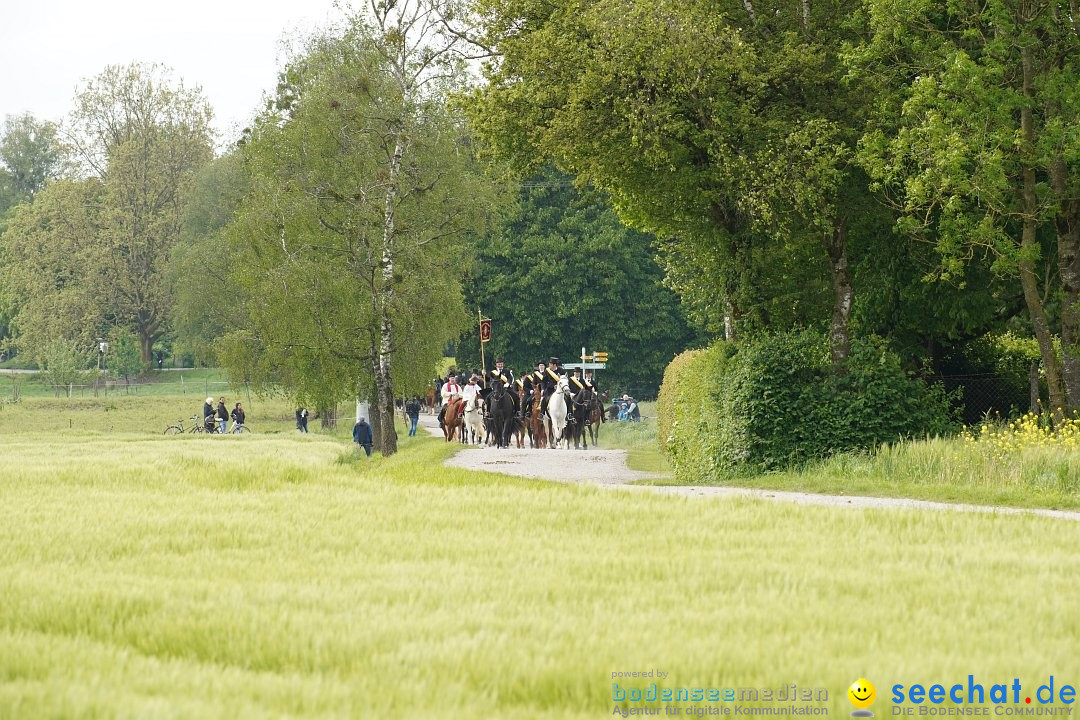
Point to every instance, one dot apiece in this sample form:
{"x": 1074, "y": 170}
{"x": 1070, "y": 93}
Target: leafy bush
{"x": 774, "y": 402}
{"x": 124, "y": 358}
{"x": 63, "y": 363}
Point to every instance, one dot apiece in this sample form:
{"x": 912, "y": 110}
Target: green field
{"x": 280, "y": 575}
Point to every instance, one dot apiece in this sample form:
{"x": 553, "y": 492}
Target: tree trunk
{"x": 1067, "y": 225}
{"x": 146, "y": 346}
{"x": 843, "y": 297}
{"x": 385, "y": 384}
{"x": 1033, "y": 387}
{"x": 328, "y": 417}
{"x": 1028, "y": 248}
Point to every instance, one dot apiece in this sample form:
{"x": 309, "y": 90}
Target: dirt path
{"x": 606, "y": 467}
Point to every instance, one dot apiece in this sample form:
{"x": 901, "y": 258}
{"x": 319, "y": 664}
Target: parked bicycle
{"x": 179, "y": 428}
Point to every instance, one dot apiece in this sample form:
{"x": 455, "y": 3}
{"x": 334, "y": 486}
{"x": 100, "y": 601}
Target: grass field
{"x": 279, "y": 575}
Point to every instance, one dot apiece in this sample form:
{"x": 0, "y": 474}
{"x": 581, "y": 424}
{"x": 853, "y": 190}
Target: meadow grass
{"x": 639, "y": 440}
{"x": 943, "y": 469}
{"x": 287, "y": 576}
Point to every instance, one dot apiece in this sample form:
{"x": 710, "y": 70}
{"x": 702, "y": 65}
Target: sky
{"x": 231, "y": 48}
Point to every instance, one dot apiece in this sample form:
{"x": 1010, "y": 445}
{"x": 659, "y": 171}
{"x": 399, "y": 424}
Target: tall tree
{"x": 976, "y": 145}
{"x": 205, "y": 304}
{"x": 363, "y": 186}
{"x": 31, "y": 151}
{"x": 49, "y": 269}
{"x": 146, "y": 137}
{"x": 722, "y": 128}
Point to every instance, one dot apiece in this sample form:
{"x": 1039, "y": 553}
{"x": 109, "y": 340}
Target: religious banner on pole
{"x": 485, "y": 330}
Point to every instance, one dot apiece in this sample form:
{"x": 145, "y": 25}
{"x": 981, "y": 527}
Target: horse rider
{"x": 532, "y": 380}
{"x": 500, "y": 375}
{"x": 469, "y": 393}
{"x": 577, "y": 383}
{"x": 551, "y": 381}
{"x": 450, "y": 390}
{"x": 555, "y": 366}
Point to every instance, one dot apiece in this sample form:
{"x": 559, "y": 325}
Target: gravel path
{"x": 605, "y": 467}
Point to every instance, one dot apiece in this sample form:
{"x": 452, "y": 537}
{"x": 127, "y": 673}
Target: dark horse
{"x": 579, "y": 413}
{"x": 594, "y": 414}
{"x": 501, "y": 414}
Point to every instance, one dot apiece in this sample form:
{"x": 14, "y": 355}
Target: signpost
{"x": 485, "y": 336}
{"x": 596, "y": 361}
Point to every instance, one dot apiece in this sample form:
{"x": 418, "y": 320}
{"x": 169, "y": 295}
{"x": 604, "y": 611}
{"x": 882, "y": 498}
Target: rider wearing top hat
{"x": 536, "y": 378}
{"x": 497, "y": 376}
{"x": 576, "y": 382}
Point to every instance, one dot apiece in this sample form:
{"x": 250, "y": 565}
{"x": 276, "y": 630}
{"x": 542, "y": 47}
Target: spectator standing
{"x": 412, "y": 411}
{"x": 237, "y": 416}
{"x": 222, "y": 415}
{"x": 208, "y": 414}
{"x": 301, "y": 419}
{"x": 361, "y": 435}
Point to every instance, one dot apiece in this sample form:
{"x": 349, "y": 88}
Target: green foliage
{"x": 723, "y": 130}
{"x": 51, "y": 275}
{"x": 561, "y": 273}
{"x": 124, "y": 358}
{"x": 206, "y": 303}
{"x": 62, "y": 362}
{"x": 32, "y": 153}
{"x": 316, "y": 267}
{"x": 774, "y": 402}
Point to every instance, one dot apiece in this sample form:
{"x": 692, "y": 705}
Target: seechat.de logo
{"x": 862, "y": 695}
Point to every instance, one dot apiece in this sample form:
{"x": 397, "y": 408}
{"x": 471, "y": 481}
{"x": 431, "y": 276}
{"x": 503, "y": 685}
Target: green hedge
{"x": 774, "y": 402}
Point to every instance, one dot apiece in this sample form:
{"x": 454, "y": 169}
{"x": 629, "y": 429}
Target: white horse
{"x": 474, "y": 420}
{"x": 557, "y": 412}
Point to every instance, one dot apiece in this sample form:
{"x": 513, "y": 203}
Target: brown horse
{"x": 451, "y": 419}
{"x": 429, "y": 400}
{"x": 595, "y": 417}
{"x": 537, "y": 429}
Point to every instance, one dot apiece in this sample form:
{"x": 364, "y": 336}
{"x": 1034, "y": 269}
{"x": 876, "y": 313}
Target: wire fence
{"x": 984, "y": 396}
{"x": 118, "y": 387}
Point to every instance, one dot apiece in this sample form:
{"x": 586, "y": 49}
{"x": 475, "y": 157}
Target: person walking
{"x": 237, "y": 416}
{"x": 361, "y": 435}
{"x": 412, "y": 411}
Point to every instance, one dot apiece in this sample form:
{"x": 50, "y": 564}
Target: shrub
{"x": 124, "y": 358}
{"x": 775, "y": 402}
{"x": 63, "y": 363}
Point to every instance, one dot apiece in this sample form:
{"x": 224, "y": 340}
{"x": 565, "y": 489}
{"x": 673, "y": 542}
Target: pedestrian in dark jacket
{"x": 412, "y": 411}
{"x": 361, "y": 435}
{"x": 222, "y": 415}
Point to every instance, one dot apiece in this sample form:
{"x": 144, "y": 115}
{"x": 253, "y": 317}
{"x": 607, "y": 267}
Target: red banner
{"x": 485, "y": 330}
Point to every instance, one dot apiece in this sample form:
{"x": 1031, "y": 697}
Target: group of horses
{"x": 494, "y": 420}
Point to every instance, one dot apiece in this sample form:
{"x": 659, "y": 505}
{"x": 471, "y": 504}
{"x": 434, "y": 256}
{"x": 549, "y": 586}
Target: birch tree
{"x": 364, "y": 184}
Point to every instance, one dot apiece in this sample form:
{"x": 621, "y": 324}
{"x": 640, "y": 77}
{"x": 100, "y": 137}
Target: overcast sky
{"x": 232, "y": 48}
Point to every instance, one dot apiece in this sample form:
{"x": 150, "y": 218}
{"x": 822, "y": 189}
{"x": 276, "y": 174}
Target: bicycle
{"x": 179, "y": 429}
{"x": 239, "y": 429}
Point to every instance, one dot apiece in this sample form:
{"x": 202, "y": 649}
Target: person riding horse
{"x": 499, "y": 378}
{"x": 551, "y": 380}
{"x": 532, "y": 380}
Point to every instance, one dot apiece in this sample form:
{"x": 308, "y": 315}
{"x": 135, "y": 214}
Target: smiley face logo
{"x": 862, "y": 695}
